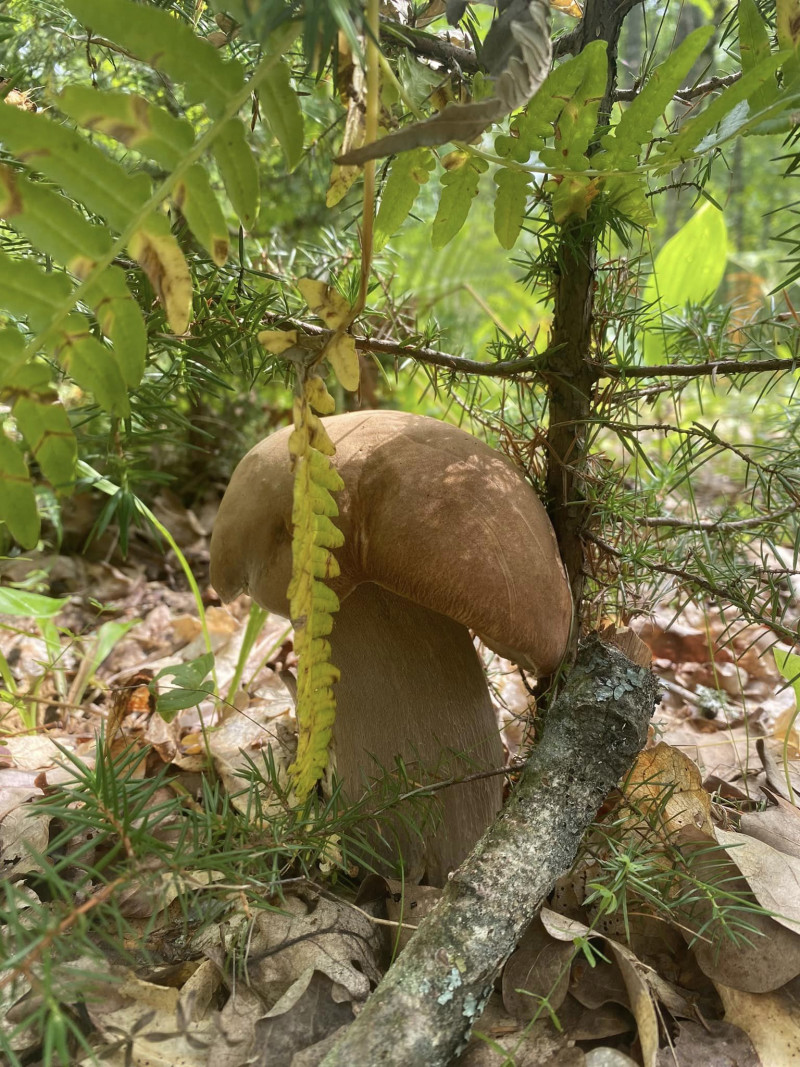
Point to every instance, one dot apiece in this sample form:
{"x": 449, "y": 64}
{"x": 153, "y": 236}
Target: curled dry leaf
{"x": 665, "y": 782}
{"x": 517, "y": 53}
{"x": 325, "y": 301}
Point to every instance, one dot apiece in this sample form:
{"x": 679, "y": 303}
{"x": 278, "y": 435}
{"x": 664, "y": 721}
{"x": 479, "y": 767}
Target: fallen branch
{"x": 422, "y": 1012}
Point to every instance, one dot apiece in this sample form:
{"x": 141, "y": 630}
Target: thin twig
{"x": 716, "y": 524}
{"x": 426, "y": 44}
{"x": 686, "y": 96}
{"x": 510, "y": 368}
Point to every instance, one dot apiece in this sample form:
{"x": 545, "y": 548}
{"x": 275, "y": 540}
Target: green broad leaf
{"x": 121, "y": 321}
{"x": 91, "y": 365}
{"x": 191, "y": 673}
{"x": 165, "y": 43}
{"x": 281, "y": 111}
{"x": 81, "y": 169}
{"x": 200, "y": 207}
{"x": 29, "y": 292}
{"x": 12, "y": 353}
{"x": 130, "y": 119}
{"x": 788, "y": 663}
{"x": 19, "y": 512}
{"x": 27, "y": 605}
{"x": 191, "y": 683}
{"x": 686, "y": 142}
{"x": 407, "y": 174}
{"x": 238, "y": 170}
{"x": 46, "y": 428}
{"x": 460, "y": 187}
{"x": 688, "y": 269}
{"x": 574, "y": 129}
{"x": 169, "y": 703}
{"x": 50, "y": 222}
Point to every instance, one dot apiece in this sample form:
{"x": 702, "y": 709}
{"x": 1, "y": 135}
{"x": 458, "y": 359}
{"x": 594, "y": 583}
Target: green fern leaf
{"x": 574, "y": 128}
{"x": 29, "y": 292}
{"x": 91, "y": 365}
{"x": 281, "y": 111}
{"x": 535, "y": 125}
{"x": 754, "y": 47}
{"x": 46, "y": 428}
{"x": 238, "y": 170}
{"x": 51, "y": 223}
{"x": 153, "y": 132}
{"x": 513, "y": 187}
{"x": 130, "y": 119}
{"x": 167, "y": 44}
{"x": 26, "y": 290}
{"x": 460, "y": 182}
{"x": 82, "y": 170}
{"x": 17, "y": 498}
{"x": 407, "y": 174}
{"x": 121, "y": 321}
{"x": 86, "y": 174}
{"x": 690, "y": 138}
{"x": 635, "y": 128}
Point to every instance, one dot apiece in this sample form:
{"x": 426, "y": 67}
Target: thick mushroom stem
{"x": 412, "y": 685}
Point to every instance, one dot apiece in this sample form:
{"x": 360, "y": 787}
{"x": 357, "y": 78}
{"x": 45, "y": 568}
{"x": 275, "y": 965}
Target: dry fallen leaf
{"x": 778, "y": 826}
{"x": 770, "y": 1020}
{"x": 665, "y": 782}
{"x": 537, "y": 970}
{"x": 712, "y": 1044}
{"x": 773, "y": 876}
{"x": 635, "y": 974}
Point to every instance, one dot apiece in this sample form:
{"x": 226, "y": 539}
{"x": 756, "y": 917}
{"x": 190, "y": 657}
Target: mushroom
{"x": 442, "y": 536}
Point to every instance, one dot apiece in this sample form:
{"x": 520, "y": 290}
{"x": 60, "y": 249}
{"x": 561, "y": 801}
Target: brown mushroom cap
{"x": 428, "y": 512}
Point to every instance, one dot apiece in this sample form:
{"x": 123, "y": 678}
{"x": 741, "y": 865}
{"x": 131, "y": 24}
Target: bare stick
{"x": 423, "y": 1010}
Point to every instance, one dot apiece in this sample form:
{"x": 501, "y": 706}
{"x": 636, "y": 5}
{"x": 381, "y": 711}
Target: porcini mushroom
{"x": 442, "y": 535}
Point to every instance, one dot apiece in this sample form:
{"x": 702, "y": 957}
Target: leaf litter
{"x": 674, "y": 940}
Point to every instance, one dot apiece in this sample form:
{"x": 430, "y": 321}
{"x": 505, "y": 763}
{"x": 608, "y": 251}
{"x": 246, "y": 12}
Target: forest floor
{"x": 674, "y": 940}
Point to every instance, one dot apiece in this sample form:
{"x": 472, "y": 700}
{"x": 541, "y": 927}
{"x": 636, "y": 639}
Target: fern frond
{"x": 460, "y": 187}
{"x": 125, "y": 203}
{"x": 621, "y": 148}
{"x": 312, "y": 603}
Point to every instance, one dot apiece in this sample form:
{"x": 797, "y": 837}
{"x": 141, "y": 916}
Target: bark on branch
{"x": 423, "y": 1010}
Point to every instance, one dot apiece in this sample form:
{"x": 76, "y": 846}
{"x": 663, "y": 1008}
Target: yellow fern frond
{"x": 312, "y": 602}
